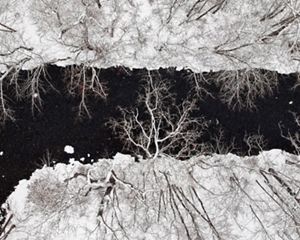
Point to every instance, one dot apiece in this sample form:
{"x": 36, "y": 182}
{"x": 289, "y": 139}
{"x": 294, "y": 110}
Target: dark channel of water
{"x": 26, "y": 140}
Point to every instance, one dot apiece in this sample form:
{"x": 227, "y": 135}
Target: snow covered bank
{"x": 199, "y": 35}
{"x": 207, "y": 197}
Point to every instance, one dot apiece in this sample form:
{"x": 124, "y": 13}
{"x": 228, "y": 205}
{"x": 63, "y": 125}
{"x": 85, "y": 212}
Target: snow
{"x": 71, "y": 160}
{"x": 151, "y": 34}
{"x": 211, "y": 197}
{"x": 69, "y": 149}
{"x": 239, "y": 194}
{"x": 17, "y": 200}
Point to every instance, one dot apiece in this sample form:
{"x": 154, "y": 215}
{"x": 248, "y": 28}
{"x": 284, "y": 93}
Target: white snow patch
{"x": 275, "y": 158}
{"x": 17, "y": 201}
{"x": 69, "y": 149}
{"x": 71, "y": 160}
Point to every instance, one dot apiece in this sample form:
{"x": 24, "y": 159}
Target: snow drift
{"x": 206, "y": 197}
{"x": 199, "y": 35}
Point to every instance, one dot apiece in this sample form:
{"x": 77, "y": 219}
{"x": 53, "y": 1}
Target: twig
{"x": 8, "y": 29}
{"x": 260, "y": 222}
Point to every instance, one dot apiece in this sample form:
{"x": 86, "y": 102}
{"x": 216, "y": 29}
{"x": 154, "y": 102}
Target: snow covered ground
{"x": 206, "y": 197}
{"x": 199, "y": 35}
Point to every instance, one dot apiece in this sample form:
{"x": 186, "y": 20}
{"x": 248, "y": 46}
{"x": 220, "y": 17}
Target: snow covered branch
{"x": 7, "y": 28}
{"x": 294, "y": 139}
{"x": 84, "y": 81}
{"x": 241, "y": 88}
{"x": 165, "y": 127}
{"x": 250, "y": 34}
{"x": 203, "y": 7}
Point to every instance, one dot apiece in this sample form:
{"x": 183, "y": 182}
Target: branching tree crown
{"x": 159, "y": 125}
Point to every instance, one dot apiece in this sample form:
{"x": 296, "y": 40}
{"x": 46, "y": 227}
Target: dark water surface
{"x": 25, "y": 141}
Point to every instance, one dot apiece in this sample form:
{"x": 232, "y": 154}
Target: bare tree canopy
{"x": 159, "y": 125}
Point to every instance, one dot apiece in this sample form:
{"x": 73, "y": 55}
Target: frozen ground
{"x": 199, "y": 35}
{"x": 207, "y": 197}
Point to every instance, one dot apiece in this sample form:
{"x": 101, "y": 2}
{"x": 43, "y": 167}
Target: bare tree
{"x": 294, "y": 139}
{"x": 34, "y": 86}
{"x": 7, "y": 78}
{"x": 219, "y": 145}
{"x": 158, "y": 125}
{"x": 84, "y": 81}
{"x": 255, "y": 142}
{"x": 200, "y": 83}
{"x": 241, "y": 88}
{"x": 6, "y": 113}
{"x": 28, "y": 86}
{"x": 14, "y": 54}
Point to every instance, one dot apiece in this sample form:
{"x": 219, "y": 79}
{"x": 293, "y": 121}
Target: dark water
{"x": 27, "y": 139}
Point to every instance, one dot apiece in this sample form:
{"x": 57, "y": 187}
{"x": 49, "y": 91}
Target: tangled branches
{"x": 239, "y": 89}
{"x": 165, "y": 127}
{"x": 84, "y": 81}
